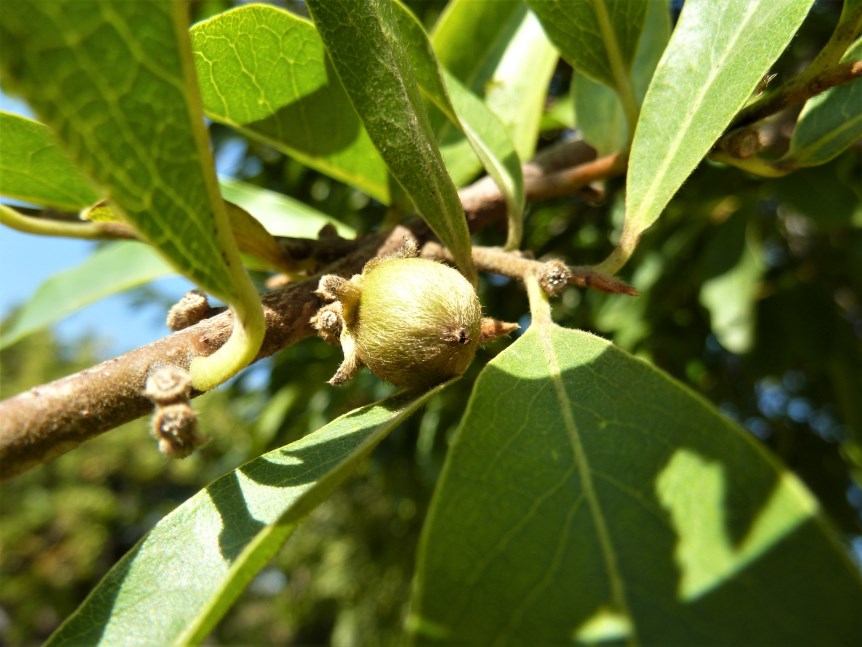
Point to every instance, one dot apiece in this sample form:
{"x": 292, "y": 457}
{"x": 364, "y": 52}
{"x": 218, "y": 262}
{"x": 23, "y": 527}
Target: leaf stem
{"x": 540, "y": 305}
{"x": 49, "y": 227}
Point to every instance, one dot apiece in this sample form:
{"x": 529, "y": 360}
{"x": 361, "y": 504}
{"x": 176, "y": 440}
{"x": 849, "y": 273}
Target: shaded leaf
{"x": 184, "y": 574}
{"x": 716, "y": 56}
{"x": 588, "y": 497}
{"x": 600, "y": 113}
{"x": 499, "y": 51}
{"x": 829, "y": 123}
{"x": 110, "y": 270}
{"x": 264, "y": 72}
{"x": 35, "y": 169}
{"x": 598, "y": 37}
{"x": 363, "y": 39}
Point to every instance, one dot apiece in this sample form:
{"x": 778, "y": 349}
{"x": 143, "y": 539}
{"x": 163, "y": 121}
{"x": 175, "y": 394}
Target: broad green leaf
{"x": 716, "y": 56}
{"x": 601, "y": 119}
{"x": 587, "y": 497}
{"x": 265, "y": 72}
{"x": 35, "y": 169}
{"x": 829, "y": 123}
{"x": 598, "y": 37}
{"x": 115, "y": 268}
{"x": 115, "y": 83}
{"x": 499, "y": 51}
{"x": 281, "y": 215}
{"x": 364, "y": 42}
{"x": 480, "y": 126}
{"x": 185, "y": 573}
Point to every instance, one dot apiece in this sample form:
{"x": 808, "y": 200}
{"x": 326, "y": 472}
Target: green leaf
{"x": 717, "y": 55}
{"x": 499, "y": 51}
{"x": 364, "y": 41}
{"x": 588, "y": 497}
{"x": 280, "y": 215}
{"x": 829, "y": 123}
{"x": 35, "y": 169}
{"x": 265, "y": 72}
{"x": 480, "y": 126}
{"x": 598, "y": 37}
{"x": 112, "y": 269}
{"x": 115, "y": 83}
{"x": 733, "y": 260}
{"x": 185, "y": 573}
{"x": 600, "y": 113}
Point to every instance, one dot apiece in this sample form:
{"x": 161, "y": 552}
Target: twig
{"x": 553, "y": 275}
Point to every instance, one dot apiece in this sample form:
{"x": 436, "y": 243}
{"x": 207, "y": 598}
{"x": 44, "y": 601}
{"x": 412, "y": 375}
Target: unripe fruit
{"x": 413, "y": 322}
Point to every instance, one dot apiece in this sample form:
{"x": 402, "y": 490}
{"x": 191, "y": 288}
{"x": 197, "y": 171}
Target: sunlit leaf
{"x": 35, "y": 169}
{"x": 717, "y": 55}
{"x": 185, "y": 573}
{"x": 113, "y": 269}
{"x": 499, "y": 51}
{"x": 587, "y": 497}
{"x": 116, "y": 84}
{"x": 264, "y": 71}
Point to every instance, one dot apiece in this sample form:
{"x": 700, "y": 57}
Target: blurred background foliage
{"x": 751, "y": 294}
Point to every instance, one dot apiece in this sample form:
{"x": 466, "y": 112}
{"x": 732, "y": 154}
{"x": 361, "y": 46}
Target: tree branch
{"x": 47, "y": 421}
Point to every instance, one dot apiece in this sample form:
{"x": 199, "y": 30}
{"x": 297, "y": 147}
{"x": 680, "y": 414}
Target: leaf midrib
{"x": 544, "y": 331}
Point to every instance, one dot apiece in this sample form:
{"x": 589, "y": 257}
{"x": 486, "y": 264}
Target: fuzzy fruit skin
{"x": 417, "y": 322}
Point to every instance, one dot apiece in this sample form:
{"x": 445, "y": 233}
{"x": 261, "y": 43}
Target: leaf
{"x": 730, "y": 294}
{"x": 114, "y": 268}
{"x": 598, "y": 37}
{"x": 185, "y": 573}
{"x": 114, "y": 81}
{"x": 499, "y": 51}
{"x": 600, "y": 113}
{"x": 717, "y": 55}
{"x": 35, "y": 169}
{"x": 280, "y": 214}
{"x": 479, "y": 125}
{"x": 829, "y": 123}
{"x": 588, "y": 497}
{"x": 264, "y": 72}
{"x": 363, "y": 39}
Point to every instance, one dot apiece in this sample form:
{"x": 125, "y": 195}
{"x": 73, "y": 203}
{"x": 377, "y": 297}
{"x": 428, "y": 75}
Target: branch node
{"x": 554, "y": 277}
{"x": 189, "y": 310}
{"x": 175, "y": 426}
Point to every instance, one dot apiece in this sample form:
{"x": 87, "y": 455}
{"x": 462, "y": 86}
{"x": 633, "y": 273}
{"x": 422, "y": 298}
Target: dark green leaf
{"x": 180, "y": 579}
{"x": 363, "y": 39}
{"x": 35, "y": 169}
{"x": 115, "y": 83}
{"x": 110, "y": 270}
{"x": 598, "y": 37}
{"x": 587, "y": 497}
{"x": 600, "y": 113}
{"x": 265, "y": 72}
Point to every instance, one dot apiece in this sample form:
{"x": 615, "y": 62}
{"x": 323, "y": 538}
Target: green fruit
{"x": 413, "y": 322}
{"x": 417, "y": 322}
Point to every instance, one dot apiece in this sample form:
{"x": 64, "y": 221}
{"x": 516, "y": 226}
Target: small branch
{"x": 800, "y": 89}
{"x": 572, "y": 180}
{"x": 46, "y": 421}
{"x": 553, "y": 275}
